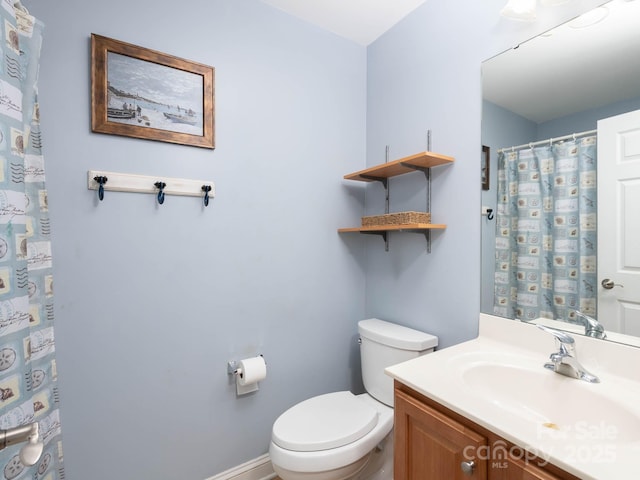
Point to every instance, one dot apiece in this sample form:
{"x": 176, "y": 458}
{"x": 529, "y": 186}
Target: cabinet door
{"x": 431, "y": 446}
{"x": 512, "y": 468}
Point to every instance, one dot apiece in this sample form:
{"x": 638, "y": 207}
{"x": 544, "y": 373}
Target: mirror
{"x": 553, "y": 86}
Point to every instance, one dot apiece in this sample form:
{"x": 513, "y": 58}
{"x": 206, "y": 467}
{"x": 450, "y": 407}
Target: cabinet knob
{"x": 468, "y": 467}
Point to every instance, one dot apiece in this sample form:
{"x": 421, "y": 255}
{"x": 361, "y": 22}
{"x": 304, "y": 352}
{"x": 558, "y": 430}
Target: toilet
{"x": 339, "y": 435}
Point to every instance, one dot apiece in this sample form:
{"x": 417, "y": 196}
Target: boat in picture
{"x": 120, "y": 113}
{"x": 179, "y": 118}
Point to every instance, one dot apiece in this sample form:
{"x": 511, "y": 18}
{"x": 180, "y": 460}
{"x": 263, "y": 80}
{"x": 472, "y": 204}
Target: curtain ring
{"x": 160, "y": 186}
{"x": 206, "y": 189}
{"x": 101, "y": 181}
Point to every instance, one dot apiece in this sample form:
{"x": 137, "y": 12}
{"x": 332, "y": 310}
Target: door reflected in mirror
{"x": 553, "y": 121}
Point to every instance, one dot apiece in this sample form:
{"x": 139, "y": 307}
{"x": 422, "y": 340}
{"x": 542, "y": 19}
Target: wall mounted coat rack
{"x": 160, "y": 186}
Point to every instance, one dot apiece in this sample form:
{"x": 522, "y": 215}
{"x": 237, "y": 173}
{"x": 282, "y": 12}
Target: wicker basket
{"x": 400, "y": 218}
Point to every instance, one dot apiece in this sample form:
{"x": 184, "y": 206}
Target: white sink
{"x": 559, "y": 407}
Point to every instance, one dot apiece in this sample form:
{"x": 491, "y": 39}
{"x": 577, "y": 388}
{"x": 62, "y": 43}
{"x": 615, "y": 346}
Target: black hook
{"x": 101, "y": 180}
{"x": 160, "y": 186}
{"x": 489, "y": 213}
{"x": 206, "y": 189}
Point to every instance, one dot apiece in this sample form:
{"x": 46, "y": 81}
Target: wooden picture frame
{"x": 142, "y": 93}
{"x": 485, "y": 161}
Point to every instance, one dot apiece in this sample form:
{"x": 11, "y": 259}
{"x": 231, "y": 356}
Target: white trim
{"x": 257, "y": 469}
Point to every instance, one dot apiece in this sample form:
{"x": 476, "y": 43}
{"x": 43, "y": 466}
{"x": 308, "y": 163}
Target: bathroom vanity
{"x": 487, "y": 409}
{"x": 432, "y": 441}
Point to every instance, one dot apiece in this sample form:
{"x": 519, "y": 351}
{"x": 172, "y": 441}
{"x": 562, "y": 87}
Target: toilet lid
{"x": 323, "y": 422}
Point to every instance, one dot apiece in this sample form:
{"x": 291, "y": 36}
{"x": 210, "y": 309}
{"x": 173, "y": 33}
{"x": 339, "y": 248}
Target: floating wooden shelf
{"x": 381, "y": 173}
{"x": 414, "y": 227}
{"x": 419, "y": 161}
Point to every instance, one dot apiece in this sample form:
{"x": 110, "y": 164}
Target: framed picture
{"x": 142, "y": 93}
{"x": 484, "y": 165}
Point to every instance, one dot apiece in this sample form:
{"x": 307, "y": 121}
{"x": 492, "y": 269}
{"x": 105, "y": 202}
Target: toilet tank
{"x": 383, "y": 344}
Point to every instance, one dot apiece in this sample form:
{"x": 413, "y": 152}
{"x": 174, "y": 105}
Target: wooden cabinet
{"x": 429, "y": 444}
{"x": 515, "y": 468}
{"x": 433, "y": 442}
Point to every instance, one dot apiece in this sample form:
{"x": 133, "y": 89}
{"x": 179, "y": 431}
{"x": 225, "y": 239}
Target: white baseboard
{"x": 257, "y": 469}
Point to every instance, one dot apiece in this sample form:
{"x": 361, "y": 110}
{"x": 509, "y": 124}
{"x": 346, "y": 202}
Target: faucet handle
{"x": 562, "y": 337}
{"x": 564, "y": 361}
{"x": 592, "y": 328}
{"x": 589, "y": 320}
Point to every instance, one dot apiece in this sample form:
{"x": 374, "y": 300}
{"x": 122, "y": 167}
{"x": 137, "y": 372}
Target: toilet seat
{"x": 324, "y": 422}
{"x": 336, "y": 458}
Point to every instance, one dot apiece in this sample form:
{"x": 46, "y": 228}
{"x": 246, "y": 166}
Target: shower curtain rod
{"x": 549, "y": 141}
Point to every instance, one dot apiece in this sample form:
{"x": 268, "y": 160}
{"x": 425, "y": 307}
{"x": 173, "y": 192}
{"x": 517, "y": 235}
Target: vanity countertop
{"x": 498, "y": 381}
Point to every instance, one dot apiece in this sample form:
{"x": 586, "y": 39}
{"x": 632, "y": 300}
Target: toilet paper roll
{"x": 252, "y": 370}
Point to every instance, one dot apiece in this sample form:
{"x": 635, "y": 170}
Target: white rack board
{"x": 129, "y": 182}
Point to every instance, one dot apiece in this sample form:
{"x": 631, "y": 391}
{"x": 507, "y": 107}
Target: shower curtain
{"x": 546, "y": 231}
{"x": 28, "y": 386}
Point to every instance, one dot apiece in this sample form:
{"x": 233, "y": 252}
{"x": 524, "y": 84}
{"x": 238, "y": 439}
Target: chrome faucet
{"x": 565, "y": 360}
{"x": 592, "y": 328}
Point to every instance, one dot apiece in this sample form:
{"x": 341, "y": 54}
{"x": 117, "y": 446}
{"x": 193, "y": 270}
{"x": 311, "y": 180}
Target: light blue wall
{"x": 151, "y": 301}
{"x": 584, "y": 121}
{"x": 425, "y": 75}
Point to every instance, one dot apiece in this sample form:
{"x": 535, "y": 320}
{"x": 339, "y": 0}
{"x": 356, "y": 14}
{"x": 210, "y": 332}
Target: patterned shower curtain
{"x": 546, "y": 231}
{"x": 28, "y": 386}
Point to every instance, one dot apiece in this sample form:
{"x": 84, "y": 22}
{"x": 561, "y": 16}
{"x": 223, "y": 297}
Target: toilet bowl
{"x": 329, "y": 437}
{"x": 339, "y": 435}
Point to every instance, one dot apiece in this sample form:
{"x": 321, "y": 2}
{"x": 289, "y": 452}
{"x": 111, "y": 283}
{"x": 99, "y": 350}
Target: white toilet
{"x": 339, "y": 436}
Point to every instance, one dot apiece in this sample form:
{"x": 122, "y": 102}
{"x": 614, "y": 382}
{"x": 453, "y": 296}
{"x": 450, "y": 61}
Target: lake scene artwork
{"x": 151, "y": 95}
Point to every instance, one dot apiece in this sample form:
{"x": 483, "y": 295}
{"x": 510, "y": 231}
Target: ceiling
{"x": 362, "y": 21}
{"x": 569, "y": 70}
{"x": 572, "y": 69}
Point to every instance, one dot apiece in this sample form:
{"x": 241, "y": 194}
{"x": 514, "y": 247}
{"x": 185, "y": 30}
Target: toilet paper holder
{"x": 233, "y": 365}
{"x": 247, "y": 381}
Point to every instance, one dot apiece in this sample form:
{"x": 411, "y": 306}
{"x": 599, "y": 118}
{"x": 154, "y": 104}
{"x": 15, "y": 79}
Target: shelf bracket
{"x": 427, "y": 236}
{"x": 387, "y": 187}
{"x": 427, "y": 175}
{"x": 415, "y": 167}
{"x": 384, "y": 235}
{"x": 385, "y": 184}
{"x": 384, "y": 181}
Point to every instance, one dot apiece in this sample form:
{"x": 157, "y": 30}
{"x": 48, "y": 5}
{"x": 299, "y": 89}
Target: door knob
{"x": 608, "y": 284}
{"x": 468, "y": 467}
